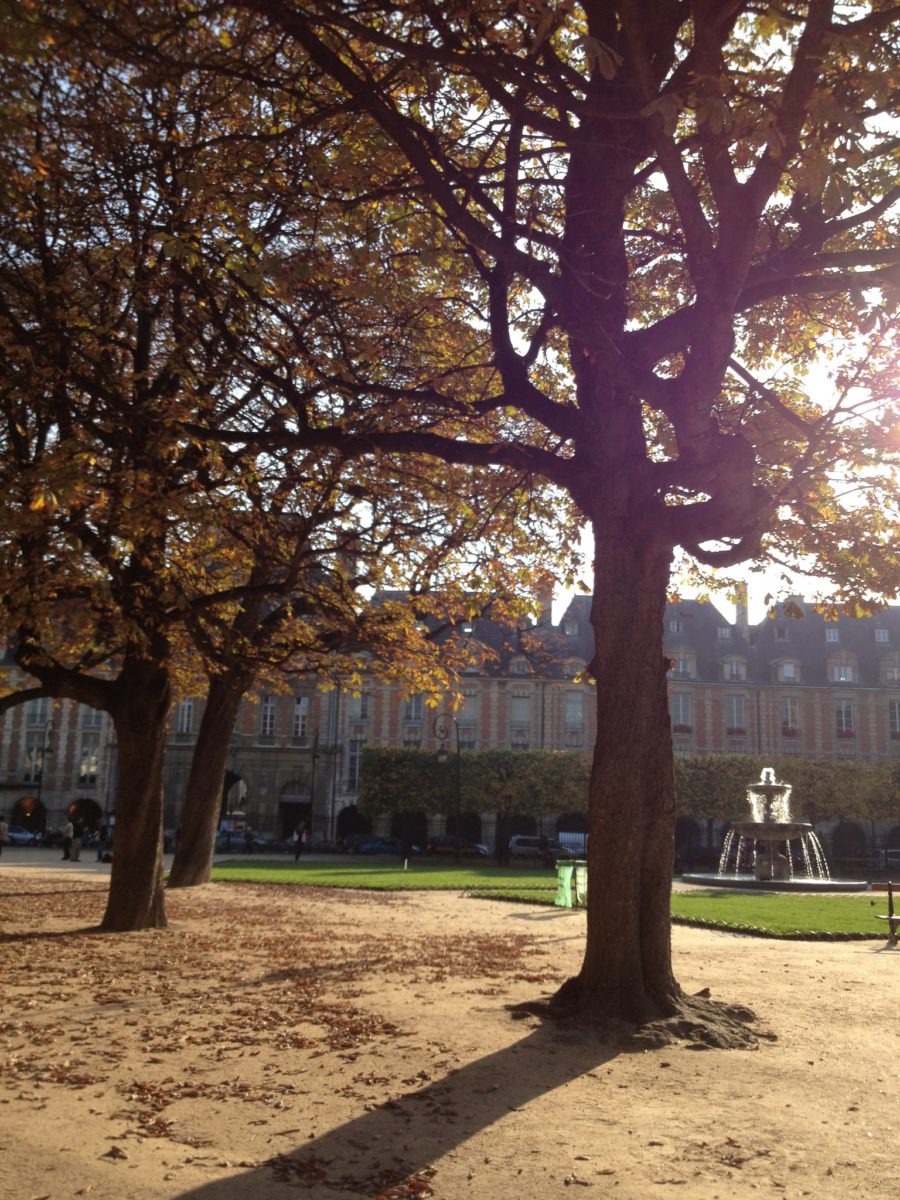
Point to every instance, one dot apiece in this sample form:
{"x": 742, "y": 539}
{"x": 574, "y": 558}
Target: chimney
{"x": 544, "y": 595}
{"x": 741, "y": 611}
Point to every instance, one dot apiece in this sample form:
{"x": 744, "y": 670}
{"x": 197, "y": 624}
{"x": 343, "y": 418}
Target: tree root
{"x": 697, "y": 1022}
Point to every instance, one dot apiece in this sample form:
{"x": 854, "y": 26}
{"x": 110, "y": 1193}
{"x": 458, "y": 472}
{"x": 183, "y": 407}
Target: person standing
{"x": 4, "y": 831}
{"x": 68, "y": 832}
{"x": 299, "y": 840}
{"x": 77, "y": 835}
{"x": 102, "y": 835}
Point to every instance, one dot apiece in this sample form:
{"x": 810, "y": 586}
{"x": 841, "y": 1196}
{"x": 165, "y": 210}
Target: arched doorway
{"x": 294, "y": 807}
{"x": 350, "y": 820}
{"x": 234, "y": 789}
{"x": 848, "y": 846}
{"x": 572, "y": 832}
{"x": 30, "y": 813}
{"x": 87, "y": 811}
{"x": 689, "y": 852}
{"x": 468, "y": 826}
{"x": 410, "y": 827}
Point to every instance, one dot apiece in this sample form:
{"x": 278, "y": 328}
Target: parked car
{"x": 459, "y": 847}
{"x": 538, "y": 849}
{"x": 235, "y": 842}
{"x": 20, "y": 836}
{"x": 388, "y": 845}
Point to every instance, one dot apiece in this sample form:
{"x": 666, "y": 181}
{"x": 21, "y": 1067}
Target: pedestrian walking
{"x": 68, "y": 832}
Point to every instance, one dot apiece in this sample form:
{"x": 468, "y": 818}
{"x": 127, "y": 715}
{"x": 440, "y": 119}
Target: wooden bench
{"x": 891, "y": 917}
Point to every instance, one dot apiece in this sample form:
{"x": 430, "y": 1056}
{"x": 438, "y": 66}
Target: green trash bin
{"x": 564, "y": 870}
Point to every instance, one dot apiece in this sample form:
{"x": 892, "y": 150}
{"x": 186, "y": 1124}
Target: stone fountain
{"x": 772, "y": 851}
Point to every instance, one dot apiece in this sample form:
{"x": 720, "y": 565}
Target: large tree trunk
{"x": 627, "y": 974}
{"x": 140, "y": 712}
{"x": 627, "y": 969}
{"x": 203, "y": 799}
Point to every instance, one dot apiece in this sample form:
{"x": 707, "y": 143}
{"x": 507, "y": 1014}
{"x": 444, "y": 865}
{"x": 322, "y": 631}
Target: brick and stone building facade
{"x": 793, "y": 683}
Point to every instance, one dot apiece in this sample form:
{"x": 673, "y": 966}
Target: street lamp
{"x": 441, "y": 729}
{"x": 46, "y": 746}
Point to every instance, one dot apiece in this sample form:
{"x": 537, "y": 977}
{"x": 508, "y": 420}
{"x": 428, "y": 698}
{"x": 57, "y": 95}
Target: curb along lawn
{"x": 775, "y": 915}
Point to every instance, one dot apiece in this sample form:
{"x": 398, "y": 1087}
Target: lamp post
{"x": 441, "y": 728}
{"x": 46, "y": 747}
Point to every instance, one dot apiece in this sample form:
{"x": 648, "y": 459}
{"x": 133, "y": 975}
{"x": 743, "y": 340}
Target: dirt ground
{"x": 275, "y": 1042}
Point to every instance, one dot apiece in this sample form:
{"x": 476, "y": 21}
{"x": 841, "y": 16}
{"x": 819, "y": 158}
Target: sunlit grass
{"x": 362, "y": 872}
{"x": 775, "y": 915}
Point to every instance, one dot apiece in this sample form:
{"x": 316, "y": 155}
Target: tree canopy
{"x": 658, "y": 216}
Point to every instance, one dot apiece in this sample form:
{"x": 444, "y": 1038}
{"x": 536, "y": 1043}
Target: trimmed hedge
{"x": 534, "y": 782}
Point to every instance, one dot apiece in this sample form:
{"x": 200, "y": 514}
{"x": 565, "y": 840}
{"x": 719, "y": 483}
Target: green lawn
{"x": 778, "y": 915}
{"x": 363, "y": 872}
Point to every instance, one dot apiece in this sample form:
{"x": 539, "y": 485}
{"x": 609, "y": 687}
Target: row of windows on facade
{"x": 413, "y": 714}
{"x": 832, "y": 633}
{"x": 681, "y": 714}
{"x": 785, "y": 671}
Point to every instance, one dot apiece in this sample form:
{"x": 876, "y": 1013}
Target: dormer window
{"x": 724, "y": 633}
{"x": 734, "y": 668}
{"x": 788, "y": 672}
{"x": 570, "y": 627}
{"x": 882, "y": 636}
{"x": 832, "y": 633}
{"x": 842, "y": 673}
{"x": 676, "y": 625}
{"x": 684, "y": 666}
{"x": 518, "y": 666}
{"x": 781, "y": 633}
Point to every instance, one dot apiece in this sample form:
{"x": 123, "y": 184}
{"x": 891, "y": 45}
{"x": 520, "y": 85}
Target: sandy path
{"x": 280, "y": 1042}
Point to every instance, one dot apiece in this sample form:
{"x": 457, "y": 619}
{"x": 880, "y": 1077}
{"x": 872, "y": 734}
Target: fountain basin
{"x": 797, "y": 884}
{"x": 771, "y": 831}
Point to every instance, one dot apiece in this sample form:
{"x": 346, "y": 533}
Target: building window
{"x": 37, "y": 712}
{"x": 574, "y": 710}
{"x": 467, "y": 720}
{"x": 354, "y": 758}
{"x": 843, "y": 712}
{"x": 570, "y": 627}
{"x": 832, "y": 634}
{"x": 683, "y": 666}
{"x": 735, "y": 668}
{"x": 680, "y": 712}
{"x": 735, "y": 715}
{"x": 894, "y": 718}
{"x": 790, "y": 717}
{"x": 413, "y": 708}
{"x": 90, "y": 718}
{"x": 882, "y": 636}
{"x": 518, "y": 666}
{"x": 781, "y": 633}
{"x": 88, "y": 759}
{"x": 723, "y": 633}
{"x": 184, "y": 717}
{"x": 842, "y": 673}
{"x": 267, "y": 716}
{"x": 300, "y": 723}
{"x": 520, "y": 721}
{"x": 788, "y": 672}
{"x": 676, "y": 625}
{"x": 358, "y": 707}
{"x": 892, "y": 674}
{"x": 33, "y": 759}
